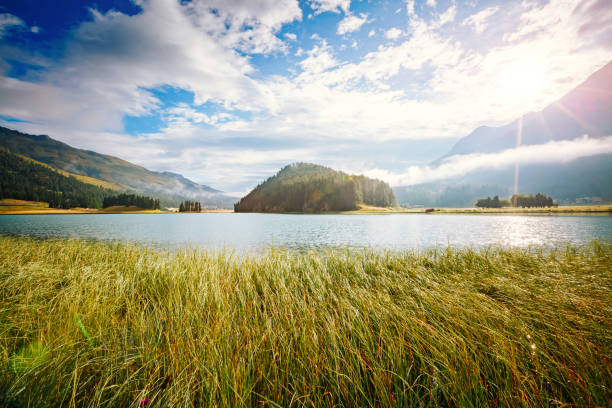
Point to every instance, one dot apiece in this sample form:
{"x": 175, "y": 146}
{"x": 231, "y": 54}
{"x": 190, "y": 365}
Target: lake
{"x": 255, "y": 231}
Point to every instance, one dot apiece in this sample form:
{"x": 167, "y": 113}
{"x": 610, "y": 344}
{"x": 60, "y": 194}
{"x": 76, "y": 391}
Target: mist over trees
{"x": 443, "y": 194}
{"x": 139, "y": 201}
{"x": 23, "y": 179}
{"x": 310, "y": 188}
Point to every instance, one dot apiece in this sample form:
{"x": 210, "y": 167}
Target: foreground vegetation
{"x": 96, "y": 324}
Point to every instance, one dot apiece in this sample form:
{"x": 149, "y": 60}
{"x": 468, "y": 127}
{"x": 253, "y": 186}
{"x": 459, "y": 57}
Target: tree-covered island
{"x": 310, "y": 188}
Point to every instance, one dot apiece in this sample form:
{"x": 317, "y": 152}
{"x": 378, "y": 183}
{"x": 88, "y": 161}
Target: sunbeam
{"x": 575, "y": 117}
{"x": 519, "y": 139}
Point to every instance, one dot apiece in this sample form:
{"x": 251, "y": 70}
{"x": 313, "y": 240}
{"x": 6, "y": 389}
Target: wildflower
{"x": 143, "y": 402}
{"x": 533, "y": 346}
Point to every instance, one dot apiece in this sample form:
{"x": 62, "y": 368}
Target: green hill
{"x": 171, "y": 188}
{"x": 304, "y": 187}
{"x": 24, "y": 179}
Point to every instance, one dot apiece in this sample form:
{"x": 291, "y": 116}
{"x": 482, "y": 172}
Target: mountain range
{"x": 585, "y": 110}
{"x": 111, "y": 172}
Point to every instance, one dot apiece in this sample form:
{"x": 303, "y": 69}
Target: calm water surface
{"x": 255, "y": 231}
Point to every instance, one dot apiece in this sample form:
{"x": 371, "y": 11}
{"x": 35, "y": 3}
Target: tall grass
{"x": 97, "y": 324}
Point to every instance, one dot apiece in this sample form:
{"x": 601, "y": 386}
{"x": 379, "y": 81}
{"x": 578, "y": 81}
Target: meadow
{"x": 94, "y": 324}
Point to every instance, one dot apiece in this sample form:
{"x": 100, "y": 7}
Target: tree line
{"x": 190, "y": 206}
{"x": 494, "y": 202}
{"x": 23, "y": 179}
{"x": 517, "y": 200}
{"x": 139, "y": 201}
{"x": 539, "y": 200}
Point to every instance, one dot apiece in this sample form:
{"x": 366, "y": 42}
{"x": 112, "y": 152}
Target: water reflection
{"x": 256, "y": 231}
{"x": 520, "y": 232}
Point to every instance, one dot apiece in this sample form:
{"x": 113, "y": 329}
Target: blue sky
{"x": 228, "y": 91}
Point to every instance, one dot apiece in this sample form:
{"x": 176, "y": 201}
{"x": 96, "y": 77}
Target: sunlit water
{"x": 255, "y": 231}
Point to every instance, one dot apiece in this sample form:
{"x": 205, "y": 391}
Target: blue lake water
{"x": 255, "y": 231}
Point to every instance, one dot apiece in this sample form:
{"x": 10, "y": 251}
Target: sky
{"x": 226, "y": 92}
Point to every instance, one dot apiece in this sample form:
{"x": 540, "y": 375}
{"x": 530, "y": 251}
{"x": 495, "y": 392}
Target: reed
{"x": 92, "y": 324}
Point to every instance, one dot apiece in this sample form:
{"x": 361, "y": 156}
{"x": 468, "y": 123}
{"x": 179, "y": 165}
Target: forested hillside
{"x": 23, "y": 179}
{"x": 170, "y": 188}
{"x": 131, "y": 200}
{"x": 309, "y": 188}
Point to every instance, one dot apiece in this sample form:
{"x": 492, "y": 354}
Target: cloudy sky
{"x": 226, "y": 92}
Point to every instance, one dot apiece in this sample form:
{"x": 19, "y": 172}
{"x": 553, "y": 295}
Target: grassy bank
{"x": 11, "y": 206}
{"x": 597, "y": 209}
{"x": 95, "y": 324}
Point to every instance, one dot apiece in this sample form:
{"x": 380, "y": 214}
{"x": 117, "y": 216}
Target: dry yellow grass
{"x": 14, "y": 207}
{"x": 10, "y": 202}
{"x": 84, "y": 179}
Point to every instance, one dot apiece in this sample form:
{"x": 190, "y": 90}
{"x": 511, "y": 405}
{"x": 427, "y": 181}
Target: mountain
{"x": 447, "y": 194}
{"x": 304, "y": 187}
{"x": 585, "y": 110}
{"x": 171, "y": 188}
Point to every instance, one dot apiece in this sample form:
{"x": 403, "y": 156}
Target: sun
{"x": 522, "y": 81}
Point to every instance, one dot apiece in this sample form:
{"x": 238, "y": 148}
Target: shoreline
{"x": 604, "y": 210}
{"x": 98, "y": 212}
{"x": 20, "y": 207}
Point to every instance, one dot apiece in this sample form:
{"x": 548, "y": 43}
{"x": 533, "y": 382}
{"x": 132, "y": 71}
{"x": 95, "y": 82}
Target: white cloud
{"x": 291, "y": 36}
{"x": 9, "y": 21}
{"x": 372, "y": 33}
{"x": 479, "y": 20}
{"x": 324, "y": 91}
{"x": 410, "y": 7}
{"x": 448, "y": 16}
{"x": 111, "y": 62}
{"x": 321, "y": 6}
{"x": 393, "y": 33}
{"x": 456, "y": 166}
{"x": 354, "y": 100}
{"x": 431, "y": 3}
{"x": 248, "y": 25}
{"x": 319, "y": 59}
{"x": 351, "y": 23}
